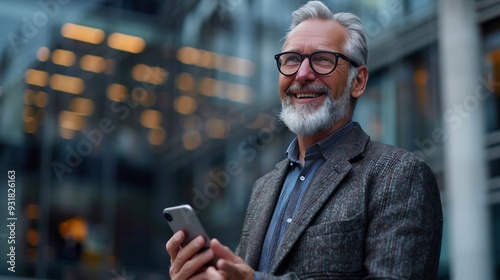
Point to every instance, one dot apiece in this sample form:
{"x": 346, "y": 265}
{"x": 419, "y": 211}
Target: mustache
{"x": 306, "y": 87}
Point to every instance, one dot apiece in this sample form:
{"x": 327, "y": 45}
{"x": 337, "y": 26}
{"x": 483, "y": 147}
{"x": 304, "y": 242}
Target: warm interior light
{"x": 41, "y": 99}
{"x": 30, "y": 127}
{"x": 82, "y": 33}
{"x": 216, "y": 128}
{"x": 74, "y": 228}
{"x": 68, "y": 84}
{"x": 421, "y": 77}
{"x": 30, "y": 123}
{"x": 210, "y": 87}
{"x": 151, "y": 118}
{"x": 494, "y": 57}
{"x": 156, "y": 136}
{"x": 185, "y": 104}
{"x": 32, "y": 212}
{"x": 66, "y": 133}
{"x": 150, "y": 74}
{"x": 200, "y": 58}
{"x": 82, "y": 106}
{"x": 36, "y": 77}
{"x": 43, "y": 53}
{"x": 29, "y": 114}
{"x": 235, "y": 92}
{"x": 207, "y": 59}
{"x": 238, "y": 66}
{"x": 127, "y": 43}
{"x": 239, "y": 93}
{"x": 188, "y": 55}
{"x": 93, "y": 63}
{"x": 32, "y": 237}
{"x": 71, "y": 120}
{"x": 184, "y": 81}
{"x": 117, "y": 92}
{"x": 63, "y": 57}
{"x": 29, "y": 97}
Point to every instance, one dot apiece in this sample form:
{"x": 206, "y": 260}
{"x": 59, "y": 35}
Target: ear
{"x": 359, "y": 82}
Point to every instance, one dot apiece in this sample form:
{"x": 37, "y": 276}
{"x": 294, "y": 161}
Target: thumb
{"x": 223, "y": 252}
{"x": 233, "y": 270}
{"x": 227, "y": 267}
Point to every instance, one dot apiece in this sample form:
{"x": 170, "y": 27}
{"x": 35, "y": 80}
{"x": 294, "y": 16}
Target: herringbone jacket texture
{"x": 372, "y": 211}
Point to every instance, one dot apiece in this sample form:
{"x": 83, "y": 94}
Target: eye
{"x": 290, "y": 59}
{"x": 324, "y": 59}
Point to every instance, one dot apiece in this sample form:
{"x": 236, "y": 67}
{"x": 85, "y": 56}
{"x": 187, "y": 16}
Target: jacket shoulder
{"x": 389, "y": 154}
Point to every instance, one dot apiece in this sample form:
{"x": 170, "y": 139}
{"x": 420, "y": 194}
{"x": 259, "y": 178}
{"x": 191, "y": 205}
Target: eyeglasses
{"x": 321, "y": 62}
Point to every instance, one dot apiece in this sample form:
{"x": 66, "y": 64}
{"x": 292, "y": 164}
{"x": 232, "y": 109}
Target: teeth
{"x": 307, "y": 95}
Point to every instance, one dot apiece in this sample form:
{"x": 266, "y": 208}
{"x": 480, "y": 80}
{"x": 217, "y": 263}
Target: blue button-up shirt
{"x": 295, "y": 186}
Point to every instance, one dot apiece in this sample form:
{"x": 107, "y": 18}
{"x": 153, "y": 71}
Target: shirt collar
{"x": 321, "y": 149}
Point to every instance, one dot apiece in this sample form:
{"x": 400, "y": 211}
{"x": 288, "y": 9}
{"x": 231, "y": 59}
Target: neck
{"x": 306, "y": 141}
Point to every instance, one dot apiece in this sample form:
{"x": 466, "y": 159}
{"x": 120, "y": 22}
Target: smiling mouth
{"x": 307, "y": 95}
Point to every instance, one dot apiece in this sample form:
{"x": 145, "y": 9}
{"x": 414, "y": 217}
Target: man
{"x": 339, "y": 206}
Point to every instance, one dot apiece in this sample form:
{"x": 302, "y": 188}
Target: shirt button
{"x": 302, "y": 178}
{"x": 289, "y": 220}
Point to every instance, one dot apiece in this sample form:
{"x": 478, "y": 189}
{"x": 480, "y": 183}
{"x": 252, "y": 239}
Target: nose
{"x": 305, "y": 73}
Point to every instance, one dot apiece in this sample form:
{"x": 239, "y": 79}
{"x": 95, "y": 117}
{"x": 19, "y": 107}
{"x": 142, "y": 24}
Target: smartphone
{"x": 184, "y": 218}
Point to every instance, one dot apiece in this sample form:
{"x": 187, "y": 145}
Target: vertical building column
{"x": 465, "y": 161}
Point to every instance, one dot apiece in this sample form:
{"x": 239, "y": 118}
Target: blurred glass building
{"x": 111, "y": 111}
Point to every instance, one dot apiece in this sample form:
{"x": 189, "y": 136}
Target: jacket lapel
{"x": 264, "y": 211}
{"x": 326, "y": 180}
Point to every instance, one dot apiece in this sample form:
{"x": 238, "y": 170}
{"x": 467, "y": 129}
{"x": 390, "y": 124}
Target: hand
{"x": 187, "y": 261}
{"x": 229, "y": 266}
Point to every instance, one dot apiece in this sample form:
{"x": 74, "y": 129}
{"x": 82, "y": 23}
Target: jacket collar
{"x": 326, "y": 180}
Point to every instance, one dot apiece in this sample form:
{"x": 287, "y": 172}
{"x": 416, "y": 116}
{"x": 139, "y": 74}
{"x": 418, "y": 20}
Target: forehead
{"x": 312, "y": 35}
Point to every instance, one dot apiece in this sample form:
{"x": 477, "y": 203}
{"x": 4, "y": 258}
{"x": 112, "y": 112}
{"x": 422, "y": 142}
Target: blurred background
{"x": 111, "y": 110}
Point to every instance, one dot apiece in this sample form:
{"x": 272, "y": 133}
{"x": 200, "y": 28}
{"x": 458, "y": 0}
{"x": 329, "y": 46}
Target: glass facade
{"x": 488, "y": 90}
{"x": 111, "y": 111}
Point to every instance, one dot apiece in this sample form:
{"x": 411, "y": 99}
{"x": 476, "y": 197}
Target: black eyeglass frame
{"x": 304, "y": 56}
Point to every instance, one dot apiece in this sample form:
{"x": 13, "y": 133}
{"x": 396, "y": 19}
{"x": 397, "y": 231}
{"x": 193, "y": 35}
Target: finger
{"x": 223, "y": 252}
{"x": 231, "y": 270}
{"x": 194, "y": 266}
{"x": 209, "y": 274}
{"x": 191, "y": 249}
{"x": 187, "y": 253}
{"x": 226, "y": 267}
{"x": 212, "y": 273}
{"x": 174, "y": 243}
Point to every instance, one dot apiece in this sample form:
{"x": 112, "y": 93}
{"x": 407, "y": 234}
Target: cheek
{"x": 284, "y": 84}
{"x": 335, "y": 86}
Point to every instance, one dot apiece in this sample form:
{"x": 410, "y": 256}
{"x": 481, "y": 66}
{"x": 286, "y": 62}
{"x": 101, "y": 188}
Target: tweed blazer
{"x": 372, "y": 211}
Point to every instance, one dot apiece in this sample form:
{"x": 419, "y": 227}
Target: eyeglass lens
{"x": 322, "y": 63}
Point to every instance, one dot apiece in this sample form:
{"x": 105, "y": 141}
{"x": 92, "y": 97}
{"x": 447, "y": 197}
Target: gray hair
{"x": 356, "y": 47}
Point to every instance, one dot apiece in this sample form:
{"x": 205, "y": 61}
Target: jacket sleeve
{"x": 404, "y": 229}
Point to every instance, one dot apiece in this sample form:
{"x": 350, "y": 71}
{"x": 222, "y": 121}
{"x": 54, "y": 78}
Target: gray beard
{"x": 306, "y": 119}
